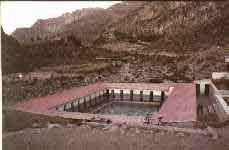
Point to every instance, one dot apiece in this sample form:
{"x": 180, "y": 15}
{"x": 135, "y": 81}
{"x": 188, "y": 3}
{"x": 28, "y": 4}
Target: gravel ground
{"x": 112, "y": 138}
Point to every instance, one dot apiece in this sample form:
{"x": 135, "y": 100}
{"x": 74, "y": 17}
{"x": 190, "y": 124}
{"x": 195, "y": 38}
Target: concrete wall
{"x": 136, "y": 94}
{"x": 224, "y": 93}
{"x": 202, "y": 84}
{"x": 94, "y": 99}
{"x": 220, "y": 75}
{"x": 88, "y": 100}
{"x": 221, "y": 106}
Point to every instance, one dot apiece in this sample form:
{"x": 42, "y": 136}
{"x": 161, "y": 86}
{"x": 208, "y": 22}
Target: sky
{"x": 16, "y": 14}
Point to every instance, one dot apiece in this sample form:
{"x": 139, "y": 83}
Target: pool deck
{"x": 47, "y": 102}
{"x": 180, "y": 105}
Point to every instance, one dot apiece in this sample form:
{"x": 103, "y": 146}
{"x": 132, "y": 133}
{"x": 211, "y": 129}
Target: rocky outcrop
{"x": 85, "y": 24}
{"x": 171, "y": 26}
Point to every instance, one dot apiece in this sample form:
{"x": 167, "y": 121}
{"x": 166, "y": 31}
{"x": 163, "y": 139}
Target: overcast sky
{"x": 25, "y": 13}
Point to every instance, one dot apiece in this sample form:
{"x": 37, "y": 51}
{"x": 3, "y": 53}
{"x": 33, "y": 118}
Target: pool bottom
{"x": 127, "y": 108}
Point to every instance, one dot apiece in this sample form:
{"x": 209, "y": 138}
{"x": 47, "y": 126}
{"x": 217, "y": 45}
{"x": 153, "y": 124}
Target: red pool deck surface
{"x": 180, "y": 106}
{"x": 47, "y": 102}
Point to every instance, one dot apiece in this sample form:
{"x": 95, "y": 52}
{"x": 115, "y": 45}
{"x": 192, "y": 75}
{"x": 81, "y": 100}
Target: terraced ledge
{"x": 204, "y": 132}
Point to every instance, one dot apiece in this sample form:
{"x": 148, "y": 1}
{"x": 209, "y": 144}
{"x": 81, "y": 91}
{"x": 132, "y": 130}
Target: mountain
{"x": 84, "y": 24}
{"x": 169, "y": 26}
{"x": 183, "y": 34}
{"x": 18, "y": 57}
{"x": 22, "y": 58}
{"x": 61, "y": 40}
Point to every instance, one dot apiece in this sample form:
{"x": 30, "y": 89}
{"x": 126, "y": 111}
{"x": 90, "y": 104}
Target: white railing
{"x": 220, "y": 75}
{"x": 224, "y": 92}
{"x": 219, "y": 99}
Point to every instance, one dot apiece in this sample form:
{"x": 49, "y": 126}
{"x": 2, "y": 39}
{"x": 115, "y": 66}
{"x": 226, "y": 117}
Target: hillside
{"x": 170, "y": 26}
{"x": 12, "y": 52}
{"x": 185, "y": 33}
{"x": 20, "y": 58}
{"x": 84, "y": 24}
{"x": 147, "y": 42}
{"x": 67, "y": 50}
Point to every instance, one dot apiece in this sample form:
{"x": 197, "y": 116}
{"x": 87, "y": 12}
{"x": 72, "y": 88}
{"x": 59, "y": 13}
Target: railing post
{"x": 197, "y": 89}
{"x": 84, "y": 102}
{"x": 72, "y": 107}
{"x": 90, "y": 100}
{"x": 141, "y": 95}
{"x": 206, "y": 90}
{"x": 99, "y": 97}
{"x": 65, "y": 107}
{"x": 78, "y": 105}
{"x": 121, "y": 94}
{"x": 131, "y": 95}
{"x": 107, "y": 94}
{"x": 151, "y": 96}
{"x": 104, "y": 96}
{"x": 113, "y": 95}
{"x": 95, "y": 99}
{"x": 162, "y": 96}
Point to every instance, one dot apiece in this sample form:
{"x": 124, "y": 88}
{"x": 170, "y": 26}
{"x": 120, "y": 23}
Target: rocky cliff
{"x": 85, "y": 24}
{"x": 171, "y": 26}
